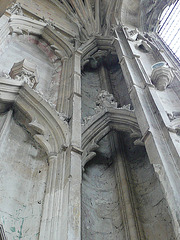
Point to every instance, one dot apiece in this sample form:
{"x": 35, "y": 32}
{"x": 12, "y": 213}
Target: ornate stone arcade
{"x": 89, "y": 129}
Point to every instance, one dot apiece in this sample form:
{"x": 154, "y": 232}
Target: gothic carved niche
{"x": 25, "y": 71}
{"x": 33, "y": 107}
{"x": 107, "y": 117}
{"x": 161, "y": 76}
{"x": 93, "y": 61}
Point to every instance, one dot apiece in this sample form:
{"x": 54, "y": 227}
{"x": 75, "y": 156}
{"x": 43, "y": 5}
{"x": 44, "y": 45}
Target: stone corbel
{"x": 25, "y": 71}
{"x": 105, "y": 99}
{"x": 161, "y": 76}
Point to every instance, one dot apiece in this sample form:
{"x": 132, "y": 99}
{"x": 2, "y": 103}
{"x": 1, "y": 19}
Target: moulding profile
{"x": 107, "y": 118}
{"x": 47, "y": 126}
{"x": 21, "y": 24}
{"x": 94, "y": 48}
{"x": 162, "y": 75}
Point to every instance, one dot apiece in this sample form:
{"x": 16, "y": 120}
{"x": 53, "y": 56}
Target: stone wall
{"x": 38, "y": 52}
{"x": 23, "y": 169}
{"x": 150, "y": 203}
{"x": 90, "y": 89}
{"x": 101, "y": 214}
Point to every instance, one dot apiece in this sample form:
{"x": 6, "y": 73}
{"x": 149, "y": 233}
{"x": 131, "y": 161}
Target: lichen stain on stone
{"x": 13, "y": 229}
{"x": 20, "y": 231}
{"x": 3, "y": 220}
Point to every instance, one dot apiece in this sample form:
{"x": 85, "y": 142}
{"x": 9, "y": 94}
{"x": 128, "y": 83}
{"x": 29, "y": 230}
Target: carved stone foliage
{"x": 25, "y": 71}
{"x": 95, "y": 51}
{"x": 161, "y": 76}
{"x": 105, "y": 99}
{"x": 93, "y": 61}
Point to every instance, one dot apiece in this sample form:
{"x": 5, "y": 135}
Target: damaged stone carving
{"x": 143, "y": 46}
{"x": 25, "y": 71}
{"x": 16, "y": 9}
{"x": 161, "y": 76}
{"x": 131, "y": 34}
{"x": 105, "y": 99}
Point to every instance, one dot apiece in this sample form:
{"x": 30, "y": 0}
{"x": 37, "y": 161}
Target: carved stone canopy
{"x": 25, "y": 71}
{"x": 161, "y": 76}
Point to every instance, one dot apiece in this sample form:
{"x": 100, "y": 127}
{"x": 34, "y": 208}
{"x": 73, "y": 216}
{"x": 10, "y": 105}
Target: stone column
{"x": 131, "y": 224}
{"x": 47, "y": 229}
{"x": 62, "y": 105}
{"x": 75, "y": 178}
{"x": 97, "y": 15}
{"x": 157, "y": 143}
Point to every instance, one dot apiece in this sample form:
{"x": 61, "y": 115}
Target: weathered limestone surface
{"x": 150, "y": 202}
{"x": 89, "y": 122}
{"x": 39, "y": 53}
{"x": 101, "y": 214}
{"x": 90, "y": 90}
{"x": 119, "y": 88}
{"x": 23, "y": 168}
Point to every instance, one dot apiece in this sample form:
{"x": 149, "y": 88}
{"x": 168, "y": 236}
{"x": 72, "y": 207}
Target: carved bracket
{"x": 161, "y": 76}
{"x": 25, "y": 71}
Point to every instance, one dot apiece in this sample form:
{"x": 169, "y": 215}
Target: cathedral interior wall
{"x": 102, "y": 207}
{"x": 61, "y": 179}
{"x": 150, "y": 202}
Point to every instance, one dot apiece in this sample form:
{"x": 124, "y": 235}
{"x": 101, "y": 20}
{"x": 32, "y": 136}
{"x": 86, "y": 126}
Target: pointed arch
{"x": 119, "y": 119}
